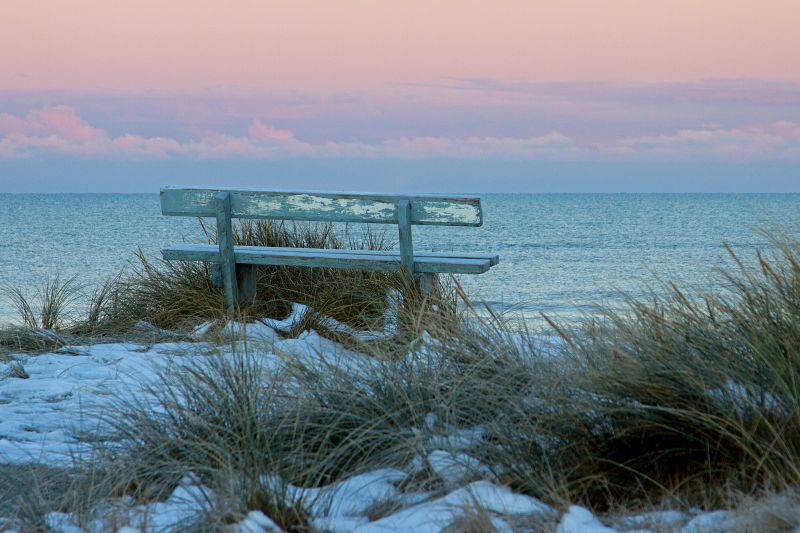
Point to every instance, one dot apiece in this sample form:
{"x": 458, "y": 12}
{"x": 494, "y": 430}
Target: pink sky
{"x": 413, "y": 90}
{"x": 350, "y": 44}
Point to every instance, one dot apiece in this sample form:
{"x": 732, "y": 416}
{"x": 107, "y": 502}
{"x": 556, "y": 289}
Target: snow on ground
{"x": 43, "y": 416}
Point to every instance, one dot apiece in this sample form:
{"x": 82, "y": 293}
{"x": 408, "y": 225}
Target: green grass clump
{"x": 14, "y": 339}
{"x": 236, "y": 422}
{"x": 689, "y": 397}
{"x": 28, "y": 492}
{"x": 176, "y": 295}
{"x": 42, "y": 316}
{"x": 51, "y": 318}
{"x": 54, "y": 298}
{"x": 215, "y": 419}
{"x": 356, "y": 297}
{"x": 168, "y": 294}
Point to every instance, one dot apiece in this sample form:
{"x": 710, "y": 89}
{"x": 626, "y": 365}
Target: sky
{"x": 438, "y": 96}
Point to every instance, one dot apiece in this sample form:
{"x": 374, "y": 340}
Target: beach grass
{"x": 176, "y": 296}
{"x": 682, "y": 400}
{"x": 179, "y": 295}
{"x": 42, "y": 315}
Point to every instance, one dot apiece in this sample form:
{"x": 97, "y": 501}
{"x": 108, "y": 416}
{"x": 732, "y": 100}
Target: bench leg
{"x": 216, "y": 274}
{"x": 246, "y": 282}
{"x": 426, "y": 283}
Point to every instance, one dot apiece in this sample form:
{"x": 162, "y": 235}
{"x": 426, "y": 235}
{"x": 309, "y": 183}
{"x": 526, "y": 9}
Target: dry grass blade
{"x": 20, "y": 302}
{"x": 44, "y": 322}
{"x": 28, "y": 492}
{"x": 56, "y": 296}
{"x": 29, "y": 340}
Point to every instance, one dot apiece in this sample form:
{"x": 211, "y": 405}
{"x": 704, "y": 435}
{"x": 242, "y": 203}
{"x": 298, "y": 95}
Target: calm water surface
{"x": 559, "y": 253}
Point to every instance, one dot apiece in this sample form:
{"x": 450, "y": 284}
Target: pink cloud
{"x": 62, "y": 121}
{"x": 155, "y": 147}
{"x": 59, "y": 120}
{"x": 60, "y": 130}
{"x": 264, "y": 132}
{"x": 786, "y": 129}
{"x": 227, "y": 147}
{"x": 10, "y": 124}
{"x": 465, "y": 147}
{"x": 779, "y": 140}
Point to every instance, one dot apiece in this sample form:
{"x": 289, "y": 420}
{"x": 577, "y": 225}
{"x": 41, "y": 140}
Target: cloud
{"x": 60, "y": 121}
{"x": 736, "y": 91}
{"x": 779, "y": 140}
{"x": 60, "y": 130}
{"x": 264, "y": 132}
{"x": 51, "y": 129}
{"x": 148, "y": 147}
{"x": 474, "y": 147}
{"x": 588, "y": 112}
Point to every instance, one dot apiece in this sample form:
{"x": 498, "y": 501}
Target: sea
{"x": 561, "y": 255}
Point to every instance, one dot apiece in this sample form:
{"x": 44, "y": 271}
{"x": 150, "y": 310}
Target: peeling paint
{"x": 307, "y": 202}
{"x": 352, "y": 206}
{"x": 363, "y": 208}
{"x": 426, "y": 209}
{"x": 452, "y": 212}
{"x": 266, "y": 205}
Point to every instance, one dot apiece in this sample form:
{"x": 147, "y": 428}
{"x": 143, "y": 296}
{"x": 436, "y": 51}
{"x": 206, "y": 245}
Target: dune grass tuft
{"x": 177, "y": 295}
{"x": 250, "y": 429}
{"x": 51, "y": 305}
{"x": 28, "y": 492}
{"x": 683, "y": 396}
{"x": 42, "y": 316}
{"x": 216, "y": 420}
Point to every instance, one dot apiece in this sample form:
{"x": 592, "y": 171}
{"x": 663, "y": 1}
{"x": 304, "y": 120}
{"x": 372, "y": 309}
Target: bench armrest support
{"x": 403, "y": 209}
{"x": 225, "y": 239}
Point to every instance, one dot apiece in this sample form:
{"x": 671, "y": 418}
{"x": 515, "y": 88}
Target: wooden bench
{"x": 235, "y": 265}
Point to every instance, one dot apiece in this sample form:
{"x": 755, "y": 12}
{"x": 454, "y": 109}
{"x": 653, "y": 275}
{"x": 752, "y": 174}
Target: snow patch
{"x": 580, "y": 520}
{"x": 713, "y": 522}
{"x": 653, "y": 519}
{"x": 257, "y": 331}
{"x": 290, "y": 323}
{"x": 353, "y": 496}
{"x": 201, "y": 330}
{"x": 256, "y": 522}
{"x": 456, "y": 468}
{"x": 439, "y": 513}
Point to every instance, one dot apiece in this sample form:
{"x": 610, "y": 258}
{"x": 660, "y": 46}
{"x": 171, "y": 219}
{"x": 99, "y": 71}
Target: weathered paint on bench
{"x": 426, "y": 209}
{"x": 234, "y": 266}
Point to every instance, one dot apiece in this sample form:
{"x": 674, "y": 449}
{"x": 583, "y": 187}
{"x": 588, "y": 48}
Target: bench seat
{"x": 424, "y": 262}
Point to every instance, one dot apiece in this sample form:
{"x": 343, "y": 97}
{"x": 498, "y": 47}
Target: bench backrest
{"x": 425, "y": 209}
